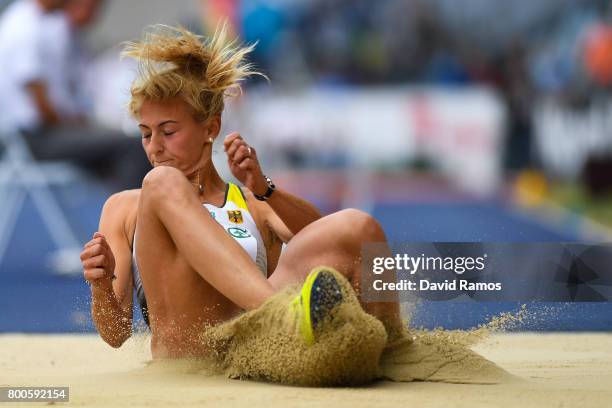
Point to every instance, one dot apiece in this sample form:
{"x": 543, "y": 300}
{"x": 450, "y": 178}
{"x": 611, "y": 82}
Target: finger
{"x": 98, "y": 261}
{"x": 236, "y": 144}
{"x": 105, "y": 244}
{"x": 241, "y": 154}
{"x": 93, "y": 242}
{"x": 97, "y": 241}
{"x": 98, "y": 234}
{"x": 94, "y": 250}
{"x": 243, "y": 151}
{"x": 229, "y": 139}
{"x": 86, "y": 253}
{"x": 100, "y": 239}
{"x": 93, "y": 274}
{"x": 233, "y": 166}
{"x": 246, "y": 164}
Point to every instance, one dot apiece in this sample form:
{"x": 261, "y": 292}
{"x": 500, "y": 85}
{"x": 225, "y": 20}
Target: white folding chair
{"x": 22, "y": 176}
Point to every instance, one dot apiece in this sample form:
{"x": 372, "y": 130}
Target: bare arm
{"x": 46, "y": 110}
{"x": 108, "y": 254}
{"x": 285, "y": 213}
{"x": 293, "y": 212}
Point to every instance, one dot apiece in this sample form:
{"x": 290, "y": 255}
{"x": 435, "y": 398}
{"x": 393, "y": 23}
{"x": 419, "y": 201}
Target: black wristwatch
{"x": 271, "y": 188}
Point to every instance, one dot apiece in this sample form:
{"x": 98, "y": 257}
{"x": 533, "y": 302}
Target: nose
{"x": 156, "y": 143}
{"x": 155, "y": 147}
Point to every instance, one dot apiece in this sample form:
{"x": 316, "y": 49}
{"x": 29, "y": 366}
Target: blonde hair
{"x": 174, "y": 62}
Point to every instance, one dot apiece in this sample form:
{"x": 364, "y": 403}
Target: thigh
{"x": 177, "y": 296}
{"x": 168, "y": 279}
{"x": 154, "y": 248}
{"x": 324, "y": 242}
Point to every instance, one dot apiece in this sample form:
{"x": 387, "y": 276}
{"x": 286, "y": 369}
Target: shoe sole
{"x": 320, "y": 295}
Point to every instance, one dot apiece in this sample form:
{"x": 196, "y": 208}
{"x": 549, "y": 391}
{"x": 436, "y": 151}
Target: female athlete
{"x": 199, "y": 250}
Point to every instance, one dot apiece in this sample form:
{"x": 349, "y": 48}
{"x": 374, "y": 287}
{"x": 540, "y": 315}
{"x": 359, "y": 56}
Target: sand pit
{"x": 552, "y": 370}
{"x": 260, "y": 349}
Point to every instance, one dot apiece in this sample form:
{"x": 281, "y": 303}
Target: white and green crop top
{"x": 235, "y": 218}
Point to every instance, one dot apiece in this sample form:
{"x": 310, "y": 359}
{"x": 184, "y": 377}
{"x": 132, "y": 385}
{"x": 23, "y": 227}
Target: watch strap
{"x": 269, "y": 191}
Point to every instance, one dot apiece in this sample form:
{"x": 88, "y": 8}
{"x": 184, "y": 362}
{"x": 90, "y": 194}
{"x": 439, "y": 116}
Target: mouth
{"x": 160, "y": 163}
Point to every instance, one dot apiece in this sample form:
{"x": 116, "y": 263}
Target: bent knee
{"x": 163, "y": 180}
{"x": 161, "y": 176}
{"x": 362, "y": 225}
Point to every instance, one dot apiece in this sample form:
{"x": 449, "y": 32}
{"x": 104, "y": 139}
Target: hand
{"x": 98, "y": 262}
{"x": 243, "y": 163}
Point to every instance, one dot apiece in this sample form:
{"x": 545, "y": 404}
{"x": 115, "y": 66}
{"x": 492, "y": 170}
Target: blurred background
{"x": 449, "y": 121}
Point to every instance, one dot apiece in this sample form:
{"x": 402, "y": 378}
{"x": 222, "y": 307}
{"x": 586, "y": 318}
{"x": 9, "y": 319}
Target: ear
{"x": 213, "y": 126}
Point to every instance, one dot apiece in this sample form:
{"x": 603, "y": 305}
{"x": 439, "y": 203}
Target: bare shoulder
{"x": 119, "y": 211}
{"x": 121, "y": 203}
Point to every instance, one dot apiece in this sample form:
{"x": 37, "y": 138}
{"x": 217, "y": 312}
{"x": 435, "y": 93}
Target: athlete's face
{"x": 171, "y": 136}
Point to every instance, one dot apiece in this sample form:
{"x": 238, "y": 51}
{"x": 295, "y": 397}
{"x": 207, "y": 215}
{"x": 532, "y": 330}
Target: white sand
{"x": 571, "y": 370}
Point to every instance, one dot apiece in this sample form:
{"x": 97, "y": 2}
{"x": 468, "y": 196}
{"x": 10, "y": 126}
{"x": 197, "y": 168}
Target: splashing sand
{"x": 440, "y": 356}
{"x": 263, "y": 344}
{"x": 351, "y": 349}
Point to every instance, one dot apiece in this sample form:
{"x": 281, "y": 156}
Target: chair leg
{"x": 9, "y": 213}
{"x": 34, "y": 182}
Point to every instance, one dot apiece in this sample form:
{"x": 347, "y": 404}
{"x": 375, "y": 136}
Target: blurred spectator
{"x": 43, "y": 90}
{"x": 30, "y": 65}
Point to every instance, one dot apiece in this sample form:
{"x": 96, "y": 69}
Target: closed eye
{"x": 146, "y": 136}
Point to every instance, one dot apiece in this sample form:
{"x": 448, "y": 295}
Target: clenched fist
{"x": 243, "y": 163}
{"x": 98, "y": 262}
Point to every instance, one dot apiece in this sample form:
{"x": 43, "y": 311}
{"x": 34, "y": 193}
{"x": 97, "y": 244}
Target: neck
{"x": 207, "y": 177}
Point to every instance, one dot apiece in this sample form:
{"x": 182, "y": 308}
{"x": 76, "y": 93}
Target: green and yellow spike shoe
{"x": 318, "y": 299}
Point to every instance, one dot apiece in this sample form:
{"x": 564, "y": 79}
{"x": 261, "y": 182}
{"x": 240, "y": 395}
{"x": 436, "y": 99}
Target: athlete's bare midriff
{"x": 181, "y": 304}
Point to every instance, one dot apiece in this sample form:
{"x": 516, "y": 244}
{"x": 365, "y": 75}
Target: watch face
{"x": 270, "y": 183}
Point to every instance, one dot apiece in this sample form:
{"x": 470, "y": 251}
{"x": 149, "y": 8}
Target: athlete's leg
{"x": 172, "y": 222}
{"x": 335, "y": 240}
